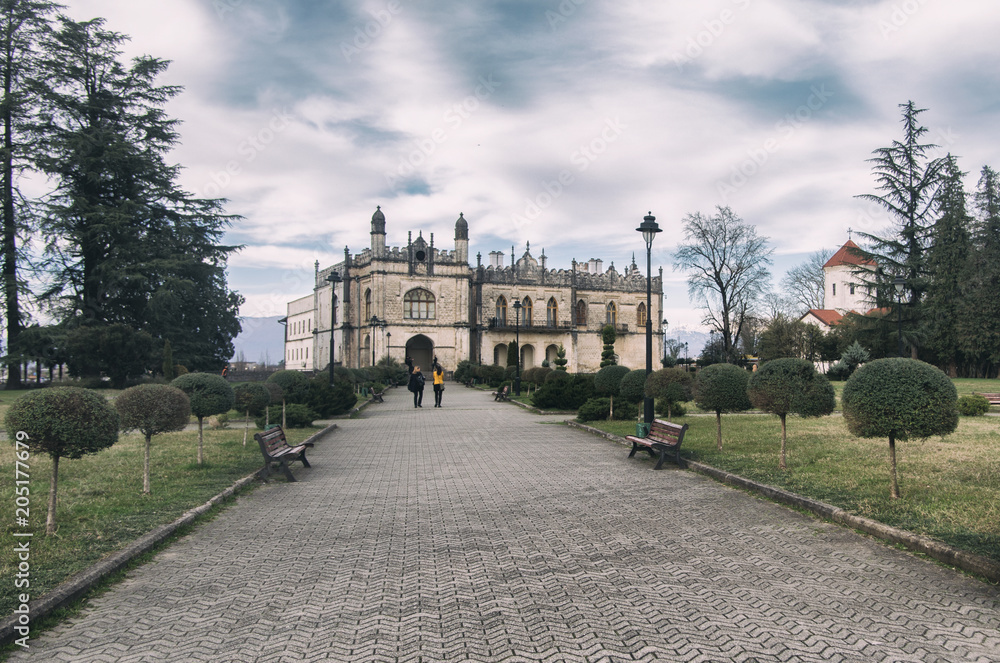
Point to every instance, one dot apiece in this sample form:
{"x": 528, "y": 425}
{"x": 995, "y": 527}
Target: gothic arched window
{"x": 611, "y": 317}
{"x": 502, "y": 311}
{"x": 581, "y": 313}
{"x": 418, "y": 304}
{"x": 527, "y": 308}
{"x": 368, "y": 304}
{"x": 552, "y": 313}
{"x": 641, "y": 315}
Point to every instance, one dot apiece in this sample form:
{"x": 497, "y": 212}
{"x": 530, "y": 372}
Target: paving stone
{"x": 480, "y": 532}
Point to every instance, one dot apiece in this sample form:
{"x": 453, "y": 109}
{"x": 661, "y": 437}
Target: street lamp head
{"x": 334, "y": 277}
{"x": 648, "y": 228}
{"x": 899, "y": 282}
{"x": 518, "y": 304}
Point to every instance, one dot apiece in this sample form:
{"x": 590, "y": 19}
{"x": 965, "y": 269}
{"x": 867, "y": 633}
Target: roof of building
{"x": 828, "y": 317}
{"x": 847, "y": 255}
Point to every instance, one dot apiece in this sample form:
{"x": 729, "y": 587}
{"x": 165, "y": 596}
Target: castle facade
{"x": 425, "y": 302}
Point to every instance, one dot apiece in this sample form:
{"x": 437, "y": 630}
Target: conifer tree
{"x": 127, "y": 245}
{"x": 979, "y": 326}
{"x": 948, "y": 268}
{"x": 22, "y": 25}
{"x": 907, "y": 178}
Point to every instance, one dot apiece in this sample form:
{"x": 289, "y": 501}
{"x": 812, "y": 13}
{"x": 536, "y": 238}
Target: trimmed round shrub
{"x": 790, "y": 386}
{"x": 557, "y": 375}
{"x": 251, "y": 398}
{"x": 722, "y": 388}
{"x": 633, "y": 386}
{"x": 296, "y": 415}
{"x": 152, "y": 409}
{"x": 899, "y": 398}
{"x": 608, "y": 380}
{"x": 294, "y": 385}
{"x": 491, "y": 374}
{"x": 64, "y": 422}
{"x": 975, "y": 405}
{"x": 210, "y": 394}
{"x": 597, "y": 409}
{"x": 672, "y": 386}
{"x": 325, "y": 401}
{"x": 567, "y": 392}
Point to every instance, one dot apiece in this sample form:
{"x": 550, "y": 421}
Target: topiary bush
{"x": 296, "y": 415}
{"x": 152, "y": 409}
{"x": 975, "y": 405}
{"x": 669, "y": 410}
{"x": 899, "y": 398}
{"x": 210, "y": 394}
{"x": 64, "y": 422}
{"x": 608, "y": 381}
{"x": 251, "y": 398}
{"x": 326, "y": 401}
{"x": 721, "y": 388}
{"x": 633, "y": 386}
{"x": 608, "y": 336}
{"x": 568, "y": 392}
{"x": 294, "y": 385}
{"x": 671, "y": 386}
{"x": 790, "y": 386}
{"x": 595, "y": 409}
{"x": 491, "y": 374}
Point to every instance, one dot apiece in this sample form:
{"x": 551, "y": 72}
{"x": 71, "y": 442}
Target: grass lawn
{"x": 950, "y": 486}
{"x": 101, "y": 507}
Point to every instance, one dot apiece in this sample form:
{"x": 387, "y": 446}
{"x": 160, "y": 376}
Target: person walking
{"x": 438, "y": 385}
{"x": 416, "y": 385}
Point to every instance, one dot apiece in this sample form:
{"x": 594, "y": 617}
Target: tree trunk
{"x": 718, "y": 429}
{"x": 782, "y": 464}
{"x": 283, "y": 426}
{"x": 892, "y": 466}
{"x": 145, "y": 466}
{"x": 201, "y": 439}
{"x": 611, "y": 408}
{"x": 50, "y": 521}
{"x": 246, "y": 428}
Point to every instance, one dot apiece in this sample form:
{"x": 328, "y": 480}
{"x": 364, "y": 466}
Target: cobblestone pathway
{"x": 478, "y": 532}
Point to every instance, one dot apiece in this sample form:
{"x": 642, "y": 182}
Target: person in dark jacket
{"x": 416, "y": 385}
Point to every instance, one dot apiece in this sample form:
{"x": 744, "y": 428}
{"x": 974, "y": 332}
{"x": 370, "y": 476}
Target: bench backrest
{"x": 668, "y": 432}
{"x": 271, "y": 440}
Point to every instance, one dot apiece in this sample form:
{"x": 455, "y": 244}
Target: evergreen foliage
{"x": 168, "y": 361}
{"x": 125, "y": 244}
{"x": 722, "y": 388}
{"x": 296, "y": 415}
{"x": 251, "y": 398}
{"x": 899, "y": 398}
{"x": 565, "y": 392}
{"x": 607, "y": 382}
{"x": 599, "y": 408}
{"x": 973, "y": 405}
{"x": 326, "y": 401}
{"x": 294, "y": 385}
{"x": 512, "y": 353}
{"x": 560, "y": 360}
{"x": 671, "y": 387}
{"x": 210, "y": 394}
{"x": 609, "y": 336}
{"x": 633, "y": 386}
{"x": 152, "y": 409}
{"x": 64, "y": 422}
{"x": 115, "y": 350}
{"x": 790, "y": 386}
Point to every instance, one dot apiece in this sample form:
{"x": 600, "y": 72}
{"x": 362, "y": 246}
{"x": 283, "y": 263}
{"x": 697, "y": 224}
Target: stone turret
{"x": 378, "y": 233}
{"x": 461, "y": 240}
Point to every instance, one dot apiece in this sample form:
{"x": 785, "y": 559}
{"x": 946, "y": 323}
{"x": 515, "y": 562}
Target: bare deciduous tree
{"x": 805, "y": 284}
{"x": 727, "y": 270}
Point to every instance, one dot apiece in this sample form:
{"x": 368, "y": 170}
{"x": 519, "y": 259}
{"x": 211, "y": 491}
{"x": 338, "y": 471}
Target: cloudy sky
{"x": 555, "y": 122}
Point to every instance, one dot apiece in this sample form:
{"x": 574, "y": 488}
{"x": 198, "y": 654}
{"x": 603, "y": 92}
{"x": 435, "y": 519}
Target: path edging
{"x": 80, "y": 583}
{"x": 941, "y": 552}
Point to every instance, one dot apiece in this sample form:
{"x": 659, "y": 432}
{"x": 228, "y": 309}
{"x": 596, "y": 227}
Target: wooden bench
{"x": 275, "y": 448}
{"x": 664, "y": 438}
{"x": 376, "y": 396}
{"x": 502, "y": 395}
{"x": 994, "y": 399}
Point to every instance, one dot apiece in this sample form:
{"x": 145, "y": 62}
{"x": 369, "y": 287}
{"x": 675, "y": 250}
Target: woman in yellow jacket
{"x": 438, "y": 384}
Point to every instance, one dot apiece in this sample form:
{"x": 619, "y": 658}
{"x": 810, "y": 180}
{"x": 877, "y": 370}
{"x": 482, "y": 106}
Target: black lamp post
{"x": 664, "y": 342}
{"x": 388, "y": 345}
{"x": 648, "y": 228}
{"x": 334, "y": 279}
{"x": 375, "y": 323}
{"x": 899, "y": 283}
{"x": 517, "y": 342}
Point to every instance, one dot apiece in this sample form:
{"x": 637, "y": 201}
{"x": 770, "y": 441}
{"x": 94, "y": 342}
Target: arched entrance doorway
{"x": 421, "y": 350}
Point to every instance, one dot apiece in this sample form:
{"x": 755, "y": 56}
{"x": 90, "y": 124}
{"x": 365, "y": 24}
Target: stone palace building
{"x": 422, "y": 301}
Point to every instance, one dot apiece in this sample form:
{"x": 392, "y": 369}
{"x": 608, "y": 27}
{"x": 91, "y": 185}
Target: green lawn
{"x": 950, "y": 486}
{"x": 101, "y": 507}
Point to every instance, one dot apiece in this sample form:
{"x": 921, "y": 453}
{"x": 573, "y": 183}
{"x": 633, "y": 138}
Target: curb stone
{"x": 966, "y": 561}
{"x": 80, "y": 583}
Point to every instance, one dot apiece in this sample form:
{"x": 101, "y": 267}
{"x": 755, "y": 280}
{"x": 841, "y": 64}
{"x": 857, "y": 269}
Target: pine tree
{"x": 979, "y": 325}
{"x": 908, "y": 178}
{"x": 948, "y": 268}
{"x": 22, "y": 26}
{"x": 128, "y": 246}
